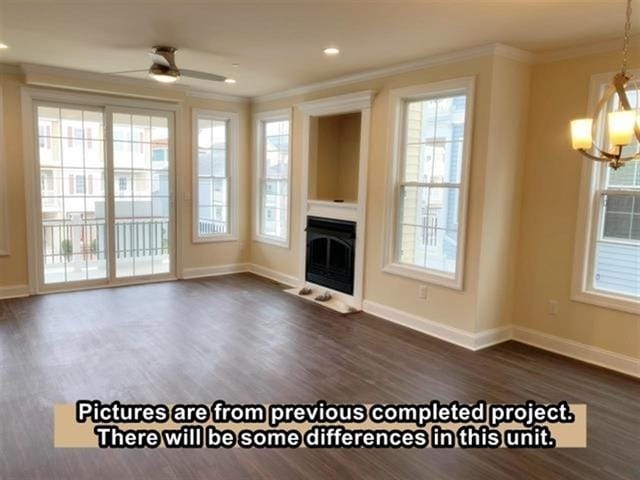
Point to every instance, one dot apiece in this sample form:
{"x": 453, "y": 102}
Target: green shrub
{"x": 66, "y": 248}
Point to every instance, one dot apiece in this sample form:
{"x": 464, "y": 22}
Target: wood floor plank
{"x": 240, "y": 338}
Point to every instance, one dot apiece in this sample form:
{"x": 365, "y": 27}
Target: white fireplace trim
{"x": 341, "y": 104}
{"x": 333, "y": 210}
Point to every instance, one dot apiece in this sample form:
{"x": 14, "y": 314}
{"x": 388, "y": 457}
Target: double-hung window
{"x": 428, "y": 191}
{"x": 215, "y": 147}
{"x": 272, "y": 134}
{"x": 607, "y": 262}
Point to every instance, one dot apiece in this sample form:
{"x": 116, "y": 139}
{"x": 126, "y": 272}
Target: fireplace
{"x": 331, "y": 246}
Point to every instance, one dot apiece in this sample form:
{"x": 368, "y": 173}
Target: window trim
{"x": 398, "y": 98}
{"x": 4, "y": 185}
{"x": 587, "y": 223}
{"x": 259, "y": 119}
{"x": 232, "y": 158}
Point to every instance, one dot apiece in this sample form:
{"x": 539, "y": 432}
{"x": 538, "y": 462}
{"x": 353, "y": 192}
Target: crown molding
{"x": 611, "y": 45}
{"x": 10, "y": 69}
{"x": 195, "y": 93}
{"x": 30, "y": 70}
{"x": 350, "y": 101}
{"x": 495, "y": 49}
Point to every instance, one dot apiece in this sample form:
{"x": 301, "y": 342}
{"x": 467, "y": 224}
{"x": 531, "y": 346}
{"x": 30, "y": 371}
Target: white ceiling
{"x": 279, "y": 44}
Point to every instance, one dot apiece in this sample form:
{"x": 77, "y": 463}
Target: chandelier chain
{"x": 627, "y": 35}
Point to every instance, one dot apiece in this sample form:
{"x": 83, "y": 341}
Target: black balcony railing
{"x": 64, "y": 241}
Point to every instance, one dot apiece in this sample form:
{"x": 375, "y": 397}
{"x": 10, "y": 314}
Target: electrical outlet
{"x": 422, "y": 291}
{"x": 553, "y": 307}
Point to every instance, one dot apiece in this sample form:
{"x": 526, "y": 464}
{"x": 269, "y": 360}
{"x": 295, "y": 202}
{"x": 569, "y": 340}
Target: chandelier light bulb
{"x": 581, "y": 134}
{"x": 621, "y": 127}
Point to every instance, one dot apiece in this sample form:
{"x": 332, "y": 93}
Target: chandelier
{"x": 622, "y": 124}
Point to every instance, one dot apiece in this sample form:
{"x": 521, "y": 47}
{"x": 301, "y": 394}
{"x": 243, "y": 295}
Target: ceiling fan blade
{"x": 159, "y": 59}
{"x": 128, "y": 71}
{"x": 202, "y": 75}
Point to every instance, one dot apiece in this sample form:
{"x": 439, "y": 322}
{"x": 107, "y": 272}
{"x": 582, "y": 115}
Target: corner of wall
{"x": 508, "y": 117}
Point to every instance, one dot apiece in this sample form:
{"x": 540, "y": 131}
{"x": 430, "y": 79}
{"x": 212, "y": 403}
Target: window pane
{"x": 49, "y": 121}
{"x": 617, "y": 268}
{"x": 621, "y": 217}
{"x": 71, "y": 164}
{"x": 204, "y": 163}
{"x": 212, "y": 182}
{"x": 219, "y": 134}
{"x": 204, "y": 133}
{"x": 627, "y": 176}
{"x": 160, "y": 130}
{"x": 428, "y": 227}
{"x": 122, "y": 127}
{"x": 434, "y": 138}
{"x": 276, "y": 165}
{"x": 219, "y": 163}
{"x": 141, "y": 128}
{"x": 274, "y": 212}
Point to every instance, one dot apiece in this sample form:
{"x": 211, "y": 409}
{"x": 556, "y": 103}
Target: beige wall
{"x": 13, "y": 268}
{"x": 502, "y": 195}
{"x": 559, "y": 93}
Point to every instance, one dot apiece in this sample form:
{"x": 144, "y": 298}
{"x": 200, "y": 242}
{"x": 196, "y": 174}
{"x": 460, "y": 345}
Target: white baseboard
{"x": 214, "y": 270}
{"x": 449, "y": 334}
{"x": 477, "y": 341}
{"x": 14, "y": 291}
{"x": 280, "y": 277}
{"x": 493, "y": 336}
{"x": 579, "y": 351}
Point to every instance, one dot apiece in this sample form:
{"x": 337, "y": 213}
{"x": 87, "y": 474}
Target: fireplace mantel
{"x": 334, "y": 210}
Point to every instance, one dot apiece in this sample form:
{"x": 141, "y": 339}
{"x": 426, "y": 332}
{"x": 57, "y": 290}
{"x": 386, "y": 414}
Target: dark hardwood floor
{"x": 241, "y": 339}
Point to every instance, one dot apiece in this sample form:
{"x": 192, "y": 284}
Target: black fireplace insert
{"x": 331, "y": 249}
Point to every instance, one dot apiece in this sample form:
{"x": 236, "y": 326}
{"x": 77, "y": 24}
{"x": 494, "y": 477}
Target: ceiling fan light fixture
{"x": 163, "y": 74}
{"x": 229, "y": 80}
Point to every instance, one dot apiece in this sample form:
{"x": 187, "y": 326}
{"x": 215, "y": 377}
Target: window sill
{"x": 424, "y": 275}
{"x": 271, "y": 241}
{"x": 605, "y": 300}
{"x": 216, "y": 238}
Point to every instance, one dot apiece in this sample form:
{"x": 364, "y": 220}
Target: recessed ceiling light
{"x": 3, "y": 46}
{"x": 229, "y": 80}
{"x": 235, "y": 65}
{"x": 331, "y": 51}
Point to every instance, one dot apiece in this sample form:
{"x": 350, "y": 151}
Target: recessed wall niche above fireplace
{"x": 335, "y": 152}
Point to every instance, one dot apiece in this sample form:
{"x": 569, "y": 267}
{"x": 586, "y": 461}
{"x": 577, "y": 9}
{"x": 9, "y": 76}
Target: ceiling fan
{"x": 164, "y": 68}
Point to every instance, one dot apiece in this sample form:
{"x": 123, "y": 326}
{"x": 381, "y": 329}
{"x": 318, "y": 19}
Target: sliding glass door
{"x": 105, "y": 209}
{"x": 72, "y": 194}
{"x": 141, "y": 186}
